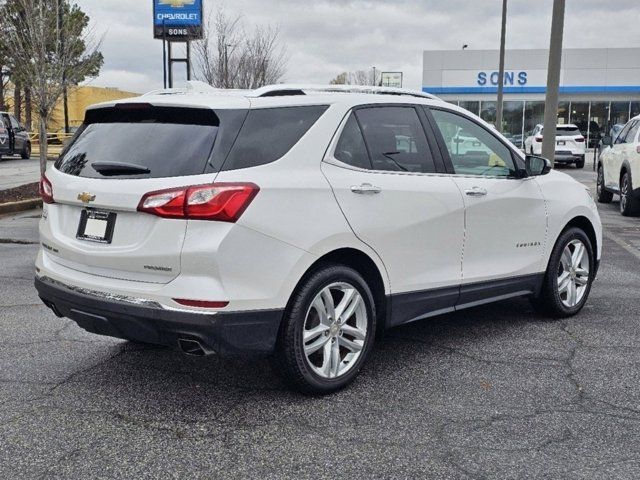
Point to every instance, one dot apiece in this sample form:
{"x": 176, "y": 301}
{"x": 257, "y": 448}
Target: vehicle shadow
{"x": 157, "y": 385}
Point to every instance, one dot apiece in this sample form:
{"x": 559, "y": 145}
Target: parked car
{"x": 570, "y": 144}
{"x": 14, "y": 139}
{"x": 300, "y": 222}
{"x": 619, "y": 169}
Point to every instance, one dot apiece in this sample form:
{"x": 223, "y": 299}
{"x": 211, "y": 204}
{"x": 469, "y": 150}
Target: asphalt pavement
{"x": 15, "y": 172}
{"x": 496, "y": 392}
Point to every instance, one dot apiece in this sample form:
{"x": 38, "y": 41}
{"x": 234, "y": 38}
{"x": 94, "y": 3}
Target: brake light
{"x": 580, "y": 139}
{"x": 46, "y": 190}
{"x": 223, "y": 202}
{"x": 200, "y": 303}
{"x": 3, "y": 130}
{"x": 638, "y": 149}
{"x": 539, "y": 139}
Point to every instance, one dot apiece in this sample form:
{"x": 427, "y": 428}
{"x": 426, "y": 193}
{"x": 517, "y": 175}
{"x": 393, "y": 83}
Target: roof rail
{"x": 301, "y": 89}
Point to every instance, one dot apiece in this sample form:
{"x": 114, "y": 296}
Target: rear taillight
{"x": 539, "y": 139}
{"x": 638, "y": 149}
{"x": 3, "y": 131}
{"x": 46, "y": 190}
{"x": 580, "y": 139}
{"x": 223, "y": 202}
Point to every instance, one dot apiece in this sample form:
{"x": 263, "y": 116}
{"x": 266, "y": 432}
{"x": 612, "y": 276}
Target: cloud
{"x": 326, "y": 37}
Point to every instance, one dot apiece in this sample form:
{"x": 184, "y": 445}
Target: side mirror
{"x": 608, "y": 141}
{"x": 536, "y": 166}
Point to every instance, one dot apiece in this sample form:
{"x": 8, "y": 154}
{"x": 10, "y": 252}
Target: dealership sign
{"x": 391, "y": 79}
{"x": 510, "y": 78}
{"x": 177, "y": 20}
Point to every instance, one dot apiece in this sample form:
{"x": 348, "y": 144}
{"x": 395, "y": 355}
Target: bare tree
{"x": 231, "y": 57}
{"x": 359, "y": 77}
{"x": 33, "y": 40}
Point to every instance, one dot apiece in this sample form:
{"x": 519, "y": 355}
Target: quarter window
{"x": 395, "y": 139}
{"x": 269, "y": 133}
{"x": 351, "y": 148}
{"x": 473, "y": 149}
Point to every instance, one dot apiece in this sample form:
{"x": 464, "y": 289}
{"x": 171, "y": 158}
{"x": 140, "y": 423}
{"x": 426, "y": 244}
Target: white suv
{"x": 570, "y": 144}
{"x": 300, "y": 221}
{"x": 618, "y": 166}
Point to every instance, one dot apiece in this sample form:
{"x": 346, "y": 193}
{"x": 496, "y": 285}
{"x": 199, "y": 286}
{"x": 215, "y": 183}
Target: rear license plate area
{"x": 96, "y": 226}
{"x": 561, "y": 142}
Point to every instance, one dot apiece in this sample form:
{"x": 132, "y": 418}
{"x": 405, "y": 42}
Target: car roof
{"x": 198, "y": 94}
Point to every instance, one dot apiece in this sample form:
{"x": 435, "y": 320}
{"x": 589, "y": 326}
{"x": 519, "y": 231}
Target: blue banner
{"x": 186, "y": 13}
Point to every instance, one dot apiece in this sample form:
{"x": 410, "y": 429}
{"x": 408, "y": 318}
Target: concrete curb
{"x": 22, "y": 205}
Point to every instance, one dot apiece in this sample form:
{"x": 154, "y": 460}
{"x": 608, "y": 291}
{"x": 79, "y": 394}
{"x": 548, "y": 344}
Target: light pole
{"x": 503, "y": 34}
{"x": 553, "y": 81}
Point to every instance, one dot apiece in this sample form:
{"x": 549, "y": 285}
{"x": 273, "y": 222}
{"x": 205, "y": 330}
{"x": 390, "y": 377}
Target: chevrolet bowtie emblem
{"x": 177, "y": 3}
{"x": 85, "y": 197}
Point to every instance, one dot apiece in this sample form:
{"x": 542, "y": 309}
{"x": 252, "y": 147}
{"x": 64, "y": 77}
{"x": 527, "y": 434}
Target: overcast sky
{"x": 326, "y": 37}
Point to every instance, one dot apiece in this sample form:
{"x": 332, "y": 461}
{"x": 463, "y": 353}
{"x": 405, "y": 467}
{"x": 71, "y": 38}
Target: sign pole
{"x": 164, "y": 53}
{"x": 503, "y": 34}
{"x": 170, "y": 66}
{"x": 553, "y": 81}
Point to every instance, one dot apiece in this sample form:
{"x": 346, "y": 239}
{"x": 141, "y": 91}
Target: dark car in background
{"x": 14, "y": 138}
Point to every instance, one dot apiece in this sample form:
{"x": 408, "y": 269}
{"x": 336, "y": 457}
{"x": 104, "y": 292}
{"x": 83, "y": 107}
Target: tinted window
{"x": 268, "y": 134}
{"x": 631, "y": 135}
{"x": 167, "y": 141}
{"x": 472, "y": 148}
{"x": 621, "y": 138}
{"x": 395, "y": 139}
{"x": 14, "y": 123}
{"x": 568, "y": 132}
{"x": 351, "y": 148}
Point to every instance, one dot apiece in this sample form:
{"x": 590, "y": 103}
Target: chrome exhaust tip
{"x": 191, "y": 347}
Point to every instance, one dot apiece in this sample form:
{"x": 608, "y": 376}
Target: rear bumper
{"x": 568, "y": 158}
{"x": 224, "y": 333}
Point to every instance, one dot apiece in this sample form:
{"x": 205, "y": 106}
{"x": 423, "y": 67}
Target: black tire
{"x": 580, "y": 163}
{"x": 290, "y": 358}
{"x": 26, "y": 151}
{"x": 549, "y": 302}
{"x": 603, "y": 195}
{"x": 628, "y": 203}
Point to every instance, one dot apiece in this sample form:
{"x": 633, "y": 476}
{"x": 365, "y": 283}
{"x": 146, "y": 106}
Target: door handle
{"x": 365, "y": 189}
{"x": 476, "y": 192}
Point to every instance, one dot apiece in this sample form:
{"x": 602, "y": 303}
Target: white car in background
{"x": 619, "y": 169}
{"x": 299, "y": 221}
{"x": 570, "y": 144}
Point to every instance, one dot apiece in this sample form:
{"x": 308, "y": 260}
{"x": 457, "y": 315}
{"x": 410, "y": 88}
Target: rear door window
{"x": 395, "y": 139}
{"x": 161, "y": 141}
{"x": 269, "y": 133}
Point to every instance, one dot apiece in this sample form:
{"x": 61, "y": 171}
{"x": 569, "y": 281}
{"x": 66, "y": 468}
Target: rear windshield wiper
{"x": 117, "y": 168}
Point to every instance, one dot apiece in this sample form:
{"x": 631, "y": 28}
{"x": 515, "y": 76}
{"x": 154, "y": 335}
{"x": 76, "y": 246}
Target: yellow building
{"x": 79, "y": 98}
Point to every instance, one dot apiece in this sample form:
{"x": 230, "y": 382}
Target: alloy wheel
{"x": 335, "y": 330}
{"x": 573, "y": 273}
{"x": 624, "y": 193}
{"x": 600, "y": 181}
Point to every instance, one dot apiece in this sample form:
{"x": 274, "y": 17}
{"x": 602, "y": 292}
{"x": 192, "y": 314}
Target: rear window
{"x": 567, "y": 132}
{"x": 268, "y": 134}
{"x": 162, "y": 141}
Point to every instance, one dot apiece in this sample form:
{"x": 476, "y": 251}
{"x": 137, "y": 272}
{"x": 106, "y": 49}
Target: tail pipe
{"x": 191, "y": 347}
